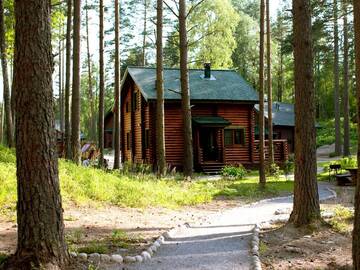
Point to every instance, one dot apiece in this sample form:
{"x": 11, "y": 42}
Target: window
{"x": 127, "y": 107}
{"x": 147, "y": 139}
{"x": 134, "y": 101}
{"x": 234, "y": 136}
{"x": 228, "y": 137}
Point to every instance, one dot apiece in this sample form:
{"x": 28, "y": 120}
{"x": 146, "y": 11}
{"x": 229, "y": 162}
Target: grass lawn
{"x": 93, "y": 187}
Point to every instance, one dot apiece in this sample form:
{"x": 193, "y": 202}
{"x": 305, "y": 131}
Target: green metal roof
{"x": 283, "y": 113}
{"x": 224, "y": 85}
{"x": 211, "y": 121}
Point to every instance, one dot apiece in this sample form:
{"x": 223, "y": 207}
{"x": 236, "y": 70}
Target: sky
{"x": 274, "y": 5}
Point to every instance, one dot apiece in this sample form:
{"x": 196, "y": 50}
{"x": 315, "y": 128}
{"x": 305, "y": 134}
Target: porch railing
{"x": 281, "y": 150}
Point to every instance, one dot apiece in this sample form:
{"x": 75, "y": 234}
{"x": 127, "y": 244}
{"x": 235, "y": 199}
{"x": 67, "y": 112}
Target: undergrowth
{"x": 84, "y": 186}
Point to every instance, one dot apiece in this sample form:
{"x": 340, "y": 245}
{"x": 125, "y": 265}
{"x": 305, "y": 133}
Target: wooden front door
{"x": 208, "y": 144}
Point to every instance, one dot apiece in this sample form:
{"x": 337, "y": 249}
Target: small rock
{"x": 82, "y": 256}
{"x": 117, "y": 258}
{"x": 105, "y": 258}
{"x": 157, "y": 244}
{"x": 167, "y": 235}
{"x": 153, "y": 248}
{"x": 130, "y": 259}
{"x": 94, "y": 257}
{"x": 307, "y": 236}
{"x": 150, "y": 251}
{"x": 146, "y": 256}
{"x": 139, "y": 259}
{"x": 73, "y": 254}
{"x": 122, "y": 250}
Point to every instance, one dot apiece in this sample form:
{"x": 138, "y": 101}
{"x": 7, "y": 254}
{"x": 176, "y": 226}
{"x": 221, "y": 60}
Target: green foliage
{"x": 326, "y": 134}
{"x": 237, "y": 172}
{"x": 289, "y": 166}
{"x": 345, "y": 163}
{"x": 3, "y": 257}
{"x": 342, "y": 220}
{"x": 213, "y": 38}
{"x": 273, "y": 170}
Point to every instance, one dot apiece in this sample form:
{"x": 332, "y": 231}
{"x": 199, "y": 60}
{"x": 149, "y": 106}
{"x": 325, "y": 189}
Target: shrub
{"x": 238, "y": 171}
{"x": 288, "y": 167}
{"x": 273, "y": 170}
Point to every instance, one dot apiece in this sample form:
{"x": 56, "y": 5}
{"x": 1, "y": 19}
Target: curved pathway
{"x": 224, "y": 242}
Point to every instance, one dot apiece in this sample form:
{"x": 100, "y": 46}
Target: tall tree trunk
{"x": 102, "y": 84}
{"x": 336, "y": 82}
{"x": 306, "y": 198}
{"x": 60, "y": 85}
{"x": 41, "y": 243}
{"x": 68, "y": 153}
{"x": 144, "y": 34}
{"x": 92, "y": 125}
{"x": 261, "y": 97}
{"x": 63, "y": 81}
{"x": 356, "y": 231}
{"x": 185, "y": 91}
{"x": 160, "y": 114}
{"x": 281, "y": 75}
{"x": 117, "y": 88}
{"x": 75, "y": 101}
{"x": 346, "y": 83}
{"x": 6, "y": 88}
{"x": 269, "y": 80}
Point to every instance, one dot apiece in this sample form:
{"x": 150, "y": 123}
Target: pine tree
{"x": 356, "y": 231}
{"x": 261, "y": 97}
{"x": 160, "y": 121}
{"x": 68, "y": 153}
{"x": 117, "y": 89}
{"x": 41, "y": 243}
{"x": 101, "y": 83}
{"x": 6, "y": 88}
{"x": 75, "y": 102}
{"x": 306, "y": 198}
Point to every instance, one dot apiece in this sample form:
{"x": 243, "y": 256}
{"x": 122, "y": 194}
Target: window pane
{"x": 228, "y": 137}
{"x": 239, "y": 136}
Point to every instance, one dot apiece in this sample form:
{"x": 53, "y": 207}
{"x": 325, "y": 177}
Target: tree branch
{"x": 172, "y": 11}
{"x": 194, "y": 7}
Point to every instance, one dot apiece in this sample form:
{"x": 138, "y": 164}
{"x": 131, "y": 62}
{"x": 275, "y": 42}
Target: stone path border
{"x": 147, "y": 254}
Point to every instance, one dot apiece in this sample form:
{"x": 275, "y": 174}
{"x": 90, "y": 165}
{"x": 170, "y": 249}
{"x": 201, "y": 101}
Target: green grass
{"x": 93, "y": 187}
{"x": 93, "y": 247}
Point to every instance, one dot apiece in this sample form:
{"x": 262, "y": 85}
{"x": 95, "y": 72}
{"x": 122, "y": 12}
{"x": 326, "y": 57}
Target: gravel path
{"x": 223, "y": 243}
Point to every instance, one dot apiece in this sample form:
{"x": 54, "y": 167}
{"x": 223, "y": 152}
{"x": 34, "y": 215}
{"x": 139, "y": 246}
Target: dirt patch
{"x": 317, "y": 247}
{"x": 114, "y": 229}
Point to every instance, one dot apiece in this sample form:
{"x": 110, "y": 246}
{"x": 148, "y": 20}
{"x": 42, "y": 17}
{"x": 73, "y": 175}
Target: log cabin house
{"x": 223, "y": 117}
{"x": 283, "y": 117}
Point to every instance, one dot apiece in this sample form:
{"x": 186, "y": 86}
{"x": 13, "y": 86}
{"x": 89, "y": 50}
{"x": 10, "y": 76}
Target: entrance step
{"x": 212, "y": 168}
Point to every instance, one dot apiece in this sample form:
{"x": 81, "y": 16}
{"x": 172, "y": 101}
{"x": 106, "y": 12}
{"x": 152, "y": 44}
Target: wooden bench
{"x": 344, "y": 179}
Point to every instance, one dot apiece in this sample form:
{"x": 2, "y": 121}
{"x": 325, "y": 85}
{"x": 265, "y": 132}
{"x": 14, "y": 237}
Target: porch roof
{"x": 211, "y": 121}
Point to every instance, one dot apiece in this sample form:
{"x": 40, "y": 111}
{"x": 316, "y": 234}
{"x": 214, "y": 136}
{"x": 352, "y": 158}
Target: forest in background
{"x": 223, "y": 32}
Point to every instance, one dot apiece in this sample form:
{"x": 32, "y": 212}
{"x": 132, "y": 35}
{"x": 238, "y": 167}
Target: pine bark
{"x": 68, "y": 153}
{"x": 346, "y": 151}
{"x": 261, "y": 97}
{"x": 185, "y": 91}
{"x": 60, "y": 86}
{"x": 75, "y": 101}
{"x": 101, "y": 83}
{"x": 336, "y": 82}
{"x": 144, "y": 34}
{"x": 41, "y": 243}
{"x": 6, "y": 89}
{"x": 269, "y": 81}
{"x": 356, "y": 231}
{"x": 117, "y": 88}
{"x": 92, "y": 125}
{"x": 306, "y": 199}
{"x": 160, "y": 113}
